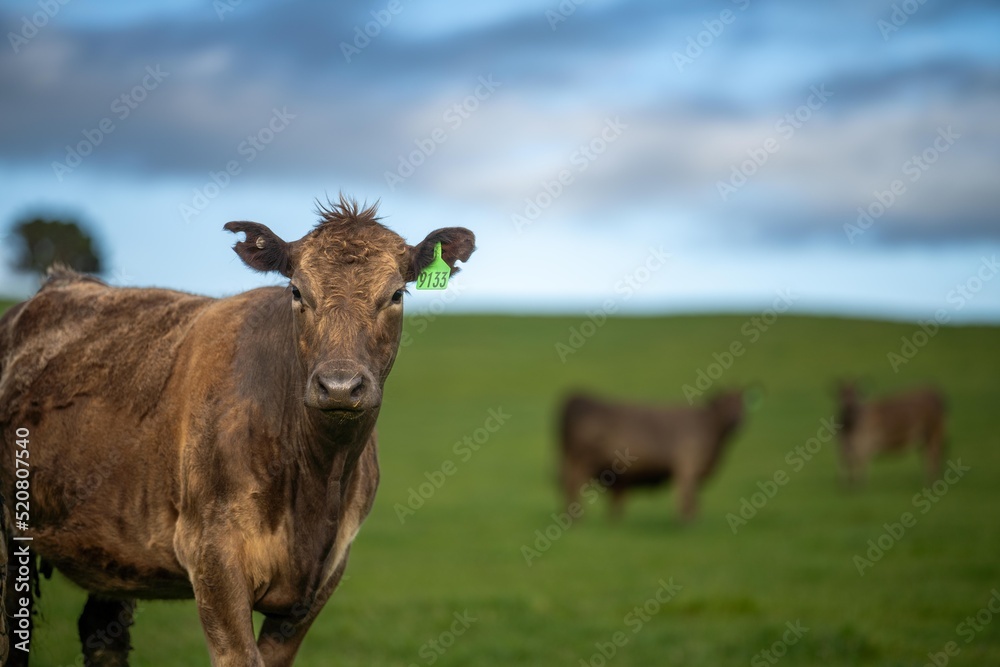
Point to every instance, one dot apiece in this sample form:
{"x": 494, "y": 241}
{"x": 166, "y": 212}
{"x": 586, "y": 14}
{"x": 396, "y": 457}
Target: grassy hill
{"x": 592, "y": 587}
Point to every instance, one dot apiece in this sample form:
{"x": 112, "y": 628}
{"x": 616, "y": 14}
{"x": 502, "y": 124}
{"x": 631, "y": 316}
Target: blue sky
{"x": 739, "y": 138}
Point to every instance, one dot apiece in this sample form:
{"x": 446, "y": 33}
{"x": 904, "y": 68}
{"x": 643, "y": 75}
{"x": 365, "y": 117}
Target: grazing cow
{"x": 890, "y": 425}
{"x": 222, "y": 449}
{"x": 627, "y": 446}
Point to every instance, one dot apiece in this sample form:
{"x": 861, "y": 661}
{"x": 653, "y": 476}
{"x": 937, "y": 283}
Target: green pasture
{"x": 592, "y": 586}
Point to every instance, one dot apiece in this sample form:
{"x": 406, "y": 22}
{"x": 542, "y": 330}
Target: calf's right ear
{"x": 262, "y": 250}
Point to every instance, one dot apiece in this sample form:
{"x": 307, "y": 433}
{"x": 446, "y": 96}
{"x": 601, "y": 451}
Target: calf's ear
{"x": 457, "y": 244}
{"x": 262, "y": 250}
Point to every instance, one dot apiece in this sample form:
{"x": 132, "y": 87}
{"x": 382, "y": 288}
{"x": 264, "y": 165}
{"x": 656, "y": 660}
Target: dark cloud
{"x": 354, "y": 119}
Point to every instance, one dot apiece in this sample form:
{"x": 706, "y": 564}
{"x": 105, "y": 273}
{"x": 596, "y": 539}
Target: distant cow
{"x": 890, "y": 425}
{"x": 626, "y": 446}
{"x": 222, "y": 449}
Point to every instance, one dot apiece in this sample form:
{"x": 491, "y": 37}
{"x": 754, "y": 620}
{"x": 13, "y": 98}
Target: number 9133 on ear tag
{"x": 436, "y": 274}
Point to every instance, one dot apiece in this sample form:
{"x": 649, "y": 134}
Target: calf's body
{"x": 891, "y": 425}
{"x": 223, "y": 449}
{"x": 628, "y": 446}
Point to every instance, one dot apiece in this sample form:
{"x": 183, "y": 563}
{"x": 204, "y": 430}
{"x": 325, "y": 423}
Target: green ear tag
{"x": 436, "y": 275}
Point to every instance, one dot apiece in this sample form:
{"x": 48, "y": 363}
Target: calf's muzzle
{"x": 342, "y": 385}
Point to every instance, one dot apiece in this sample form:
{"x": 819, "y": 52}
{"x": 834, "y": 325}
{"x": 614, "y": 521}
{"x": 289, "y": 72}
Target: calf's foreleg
{"x": 687, "y": 498}
{"x": 852, "y": 462}
{"x": 281, "y": 636}
{"x": 934, "y": 453}
{"x": 224, "y": 598}
{"x": 572, "y": 477}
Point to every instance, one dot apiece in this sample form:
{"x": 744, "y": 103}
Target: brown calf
{"x": 217, "y": 448}
{"x": 890, "y": 425}
{"x": 627, "y": 446}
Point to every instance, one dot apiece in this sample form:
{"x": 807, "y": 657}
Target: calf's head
{"x": 849, "y": 402}
{"x": 347, "y": 278}
{"x": 727, "y": 408}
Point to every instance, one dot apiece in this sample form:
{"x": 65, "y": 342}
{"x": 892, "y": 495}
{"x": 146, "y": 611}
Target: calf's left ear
{"x": 262, "y": 250}
{"x": 457, "y": 244}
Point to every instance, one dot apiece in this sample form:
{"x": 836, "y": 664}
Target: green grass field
{"x": 462, "y": 551}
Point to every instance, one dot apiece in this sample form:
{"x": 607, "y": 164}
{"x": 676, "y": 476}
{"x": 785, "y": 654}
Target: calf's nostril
{"x": 323, "y": 389}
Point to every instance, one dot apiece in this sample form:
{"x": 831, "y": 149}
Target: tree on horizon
{"x": 43, "y": 242}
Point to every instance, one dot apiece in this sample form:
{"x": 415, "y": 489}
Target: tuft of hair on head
{"x": 346, "y": 212}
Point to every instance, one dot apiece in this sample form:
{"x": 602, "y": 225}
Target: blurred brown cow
{"x": 890, "y": 425}
{"x": 627, "y": 446}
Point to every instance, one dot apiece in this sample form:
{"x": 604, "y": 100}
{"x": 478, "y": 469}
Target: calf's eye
{"x": 397, "y": 296}
{"x": 296, "y": 294}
